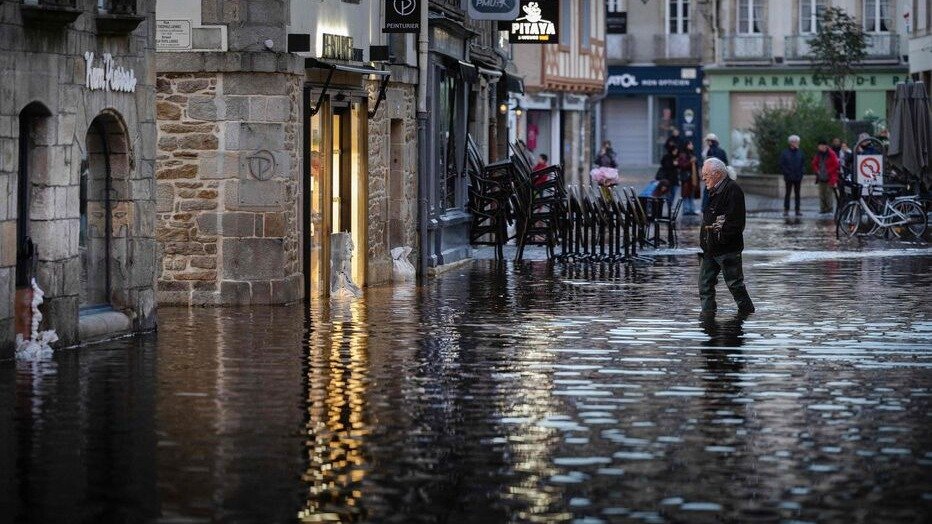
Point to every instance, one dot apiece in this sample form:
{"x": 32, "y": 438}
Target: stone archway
{"x": 36, "y": 136}
{"x": 106, "y": 211}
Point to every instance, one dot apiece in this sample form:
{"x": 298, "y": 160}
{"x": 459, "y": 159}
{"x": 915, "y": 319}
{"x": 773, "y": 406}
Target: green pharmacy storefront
{"x": 734, "y": 95}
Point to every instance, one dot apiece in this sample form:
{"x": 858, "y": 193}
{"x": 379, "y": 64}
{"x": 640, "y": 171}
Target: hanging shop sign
{"x": 402, "y": 16}
{"x": 492, "y": 9}
{"x": 538, "y": 24}
{"x": 336, "y": 47}
{"x": 107, "y": 76}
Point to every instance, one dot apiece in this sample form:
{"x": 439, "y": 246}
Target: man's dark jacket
{"x": 792, "y": 164}
{"x": 727, "y": 200}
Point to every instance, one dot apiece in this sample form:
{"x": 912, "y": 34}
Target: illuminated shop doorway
{"x": 336, "y": 184}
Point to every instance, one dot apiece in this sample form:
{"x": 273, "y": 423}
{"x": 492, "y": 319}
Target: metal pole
{"x": 422, "y": 150}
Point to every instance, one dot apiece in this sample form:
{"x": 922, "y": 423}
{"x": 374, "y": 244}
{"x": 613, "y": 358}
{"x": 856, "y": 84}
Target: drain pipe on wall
{"x": 422, "y": 153}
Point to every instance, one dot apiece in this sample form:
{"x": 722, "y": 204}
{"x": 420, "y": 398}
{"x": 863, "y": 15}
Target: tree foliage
{"x": 837, "y": 47}
{"x": 808, "y": 118}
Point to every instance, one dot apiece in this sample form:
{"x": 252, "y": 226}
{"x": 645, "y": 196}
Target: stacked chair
{"x": 585, "y": 224}
{"x": 490, "y": 194}
{"x": 540, "y": 208}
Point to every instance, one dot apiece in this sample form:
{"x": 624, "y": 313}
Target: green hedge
{"x": 808, "y": 117}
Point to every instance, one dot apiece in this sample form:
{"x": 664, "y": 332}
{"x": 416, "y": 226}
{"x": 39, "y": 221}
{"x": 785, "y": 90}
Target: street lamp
{"x": 519, "y": 110}
{"x": 503, "y": 108}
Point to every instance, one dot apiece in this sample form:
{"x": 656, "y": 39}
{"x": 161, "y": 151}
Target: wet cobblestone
{"x": 506, "y": 393}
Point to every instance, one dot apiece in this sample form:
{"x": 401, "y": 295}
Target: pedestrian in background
{"x": 792, "y": 165}
{"x": 669, "y": 174}
{"x": 825, "y": 167}
{"x": 606, "y": 156}
{"x": 688, "y": 164}
{"x": 712, "y": 150}
{"x": 845, "y": 160}
{"x": 543, "y": 162}
{"x": 722, "y": 239}
{"x": 673, "y": 140}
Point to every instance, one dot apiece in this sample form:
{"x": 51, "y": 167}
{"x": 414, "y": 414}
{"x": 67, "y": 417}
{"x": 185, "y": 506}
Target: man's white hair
{"x": 793, "y": 138}
{"x": 716, "y": 165}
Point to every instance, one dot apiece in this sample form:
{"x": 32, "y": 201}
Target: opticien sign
{"x": 108, "y": 77}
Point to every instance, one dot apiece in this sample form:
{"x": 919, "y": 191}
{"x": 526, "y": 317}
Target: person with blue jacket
{"x": 792, "y": 165}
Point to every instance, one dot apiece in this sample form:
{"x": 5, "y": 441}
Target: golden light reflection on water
{"x": 336, "y": 427}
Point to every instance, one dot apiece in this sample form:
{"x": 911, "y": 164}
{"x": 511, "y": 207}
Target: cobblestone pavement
{"x": 506, "y": 392}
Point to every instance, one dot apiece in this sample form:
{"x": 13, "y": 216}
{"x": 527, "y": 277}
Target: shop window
{"x": 844, "y": 108}
{"x": 877, "y": 16}
{"x": 810, "y": 15}
{"x": 664, "y": 122}
{"x": 750, "y": 16}
{"x": 677, "y": 17}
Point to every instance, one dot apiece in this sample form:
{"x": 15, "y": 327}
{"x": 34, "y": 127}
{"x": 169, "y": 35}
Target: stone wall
{"x": 228, "y": 169}
{"x": 392, "y": 178}
{"x": 44, "y": 68}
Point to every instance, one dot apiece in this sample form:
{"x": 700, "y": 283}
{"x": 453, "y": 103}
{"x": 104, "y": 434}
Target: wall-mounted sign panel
{"x": 538, "y": 23}
{"x": 172, "y": 35}
{"x": 107, "y": 76}
{"x": 402, "y": 16}
{"x": 336, "y": 47}
{"x": 493, "y": 9}
{"x": 616, "y": 23}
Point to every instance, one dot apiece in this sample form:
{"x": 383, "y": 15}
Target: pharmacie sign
{"x": 107, "y": 76}
{"x": 402, "y": 16}
{"x": 493, "y": 9}
{"x": 782, "y": 82}
{"x": 537, "y": 23}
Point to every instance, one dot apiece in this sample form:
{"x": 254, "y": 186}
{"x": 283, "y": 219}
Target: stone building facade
{"x": 228, "y": 165}
{"x": 392, "y": 212}
{"x": 77, "y": 162}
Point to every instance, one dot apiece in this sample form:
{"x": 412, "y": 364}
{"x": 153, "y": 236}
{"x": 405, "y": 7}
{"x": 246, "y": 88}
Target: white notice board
{"x": 172, "y": 35}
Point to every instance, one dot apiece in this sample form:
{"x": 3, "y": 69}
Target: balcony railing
{"x": 117, "y": 7}
{"x": 796, "y": 48}
{"x": 619, "y": 48}
{"x": 677, "y": 48}
{"x": 117, "y": 17}
{"x": 746, "y": 49}
{"x": 881, "y": 47}
{"x": 50, "y": 14}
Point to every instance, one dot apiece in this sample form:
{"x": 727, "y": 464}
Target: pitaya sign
{"x": 538, "y": 24}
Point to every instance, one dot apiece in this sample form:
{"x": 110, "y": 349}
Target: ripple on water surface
{"x": 515, "y": 393}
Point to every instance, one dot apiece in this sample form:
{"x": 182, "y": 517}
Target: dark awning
{"x": 513, "y": 83}
{"x": 312, "y": 63}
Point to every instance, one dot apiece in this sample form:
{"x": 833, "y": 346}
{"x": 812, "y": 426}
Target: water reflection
{"x": 503, "y": 392}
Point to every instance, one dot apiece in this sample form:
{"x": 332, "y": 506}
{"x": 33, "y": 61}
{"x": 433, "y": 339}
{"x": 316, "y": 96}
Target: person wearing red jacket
{"x": 825, "y": 167}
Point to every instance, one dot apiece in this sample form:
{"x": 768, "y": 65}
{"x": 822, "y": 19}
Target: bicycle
{"x": 882, "y": 215}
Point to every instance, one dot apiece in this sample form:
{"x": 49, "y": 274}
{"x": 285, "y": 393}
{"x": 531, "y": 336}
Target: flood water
{"x": 520, "y": 393}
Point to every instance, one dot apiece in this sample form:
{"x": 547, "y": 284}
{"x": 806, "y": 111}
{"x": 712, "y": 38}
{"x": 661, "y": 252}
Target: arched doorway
{"x": 106, "y": 213}
{"x": 34, "y": 141}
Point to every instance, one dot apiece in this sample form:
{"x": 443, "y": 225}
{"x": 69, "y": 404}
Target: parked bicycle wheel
{"x": 849, "y": 219}
{"x": 916, "y": 216}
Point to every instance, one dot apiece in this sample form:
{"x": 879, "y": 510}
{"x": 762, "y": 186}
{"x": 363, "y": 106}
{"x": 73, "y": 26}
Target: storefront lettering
{"x": 800, "y": 81}
{"x": 108, "y": 77}
{"x": 337, "y": 47}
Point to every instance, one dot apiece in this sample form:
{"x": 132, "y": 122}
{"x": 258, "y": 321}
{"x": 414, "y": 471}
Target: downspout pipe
{"x": 422, "y": 149}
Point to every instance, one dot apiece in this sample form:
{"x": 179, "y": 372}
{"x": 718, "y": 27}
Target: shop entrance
{"x": 336, "y": 186}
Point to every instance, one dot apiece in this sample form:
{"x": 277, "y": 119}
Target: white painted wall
{"x": 361, "y": 21}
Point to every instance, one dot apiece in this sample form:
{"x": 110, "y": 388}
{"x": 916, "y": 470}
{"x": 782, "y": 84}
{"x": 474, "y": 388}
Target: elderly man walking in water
{"x": 722, "y": 239}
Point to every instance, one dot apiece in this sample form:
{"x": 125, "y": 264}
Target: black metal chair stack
{"x": 490, "y": 192}
{"x": 539, "y": 203}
